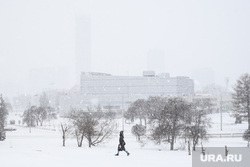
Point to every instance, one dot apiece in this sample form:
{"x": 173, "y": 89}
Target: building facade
{"x": 117, "y": 92}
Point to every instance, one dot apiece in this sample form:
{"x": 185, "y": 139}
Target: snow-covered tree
{"x": 241, "y": 97}
{"x": 29, "y": 116}
{"x": 138, "y": 110}
{"x": 246, "y": 136}
{"x": 168, "y": 123}
{"x": 96, "y": 127}
{"x": 154, "y": 105}
{"x": 50, "y": 113}
{"x": 3, "y": 114}
{"x": 77, "y": 119}
{"x": 197, "y": 122}
{"x": 40, "y": 115}
{"x": 37, "y": 115}
{"x": 138, "y": 131}
{"x": 66, "y": 128}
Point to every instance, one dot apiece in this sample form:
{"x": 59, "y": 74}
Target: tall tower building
{"x": 83, "y": 45}
{"x": 156, "y": 60}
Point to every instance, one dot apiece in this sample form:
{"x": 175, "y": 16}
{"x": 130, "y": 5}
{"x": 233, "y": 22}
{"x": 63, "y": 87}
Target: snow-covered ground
{"x": 43, "y": 148}
{"x": 228, "y": 124}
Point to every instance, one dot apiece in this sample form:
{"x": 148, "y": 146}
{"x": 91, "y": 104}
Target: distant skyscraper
{"x": 83, "y": 45}
{"x": 156, "y": 60}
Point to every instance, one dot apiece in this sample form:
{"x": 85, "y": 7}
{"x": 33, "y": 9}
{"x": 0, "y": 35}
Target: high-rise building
{"x": 83, "y": 44}
{"x": 156, "y": 60}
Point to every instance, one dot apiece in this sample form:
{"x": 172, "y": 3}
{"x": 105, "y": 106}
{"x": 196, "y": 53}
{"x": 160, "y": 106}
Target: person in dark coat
{"x": 121, "y": 146}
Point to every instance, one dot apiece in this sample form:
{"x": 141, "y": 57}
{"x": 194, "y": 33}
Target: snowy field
{"x": 43, "y": 148}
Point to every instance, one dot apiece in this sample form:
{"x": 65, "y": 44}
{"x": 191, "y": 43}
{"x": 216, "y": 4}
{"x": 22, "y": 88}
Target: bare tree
{"x": 96, "y": 127}
{"x": 77, "y": 119}
{"x": 40, "y": 115}
{"x": 29, "y": 116}
{"x": 99, "y": 126}
{"x": 50, "y": 113}
{"x": 130, "y": 114}
{"x": 197, "y": 122}
{"x": 66, "y": 130}
{"x": 154, "y": 106}
{"x": 138, "y": 110}
{"x": 169, "y": 122}
{"x": 241, "y": 97}
{"x": 138, "y": 131}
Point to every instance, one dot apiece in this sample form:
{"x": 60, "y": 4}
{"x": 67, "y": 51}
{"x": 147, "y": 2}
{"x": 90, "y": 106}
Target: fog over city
{"x": 207, "y": 41}
{"x": 124, "y": 83}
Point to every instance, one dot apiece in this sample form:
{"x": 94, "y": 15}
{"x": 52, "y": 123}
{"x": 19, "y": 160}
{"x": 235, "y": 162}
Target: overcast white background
{"x": 194, "y": 36}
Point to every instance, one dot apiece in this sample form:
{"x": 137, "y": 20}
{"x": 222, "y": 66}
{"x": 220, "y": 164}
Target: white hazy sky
{"x": 193, "y": 35}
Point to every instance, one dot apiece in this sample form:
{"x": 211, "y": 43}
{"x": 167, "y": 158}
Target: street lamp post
{"x": 221, "y": 113}
{"x": 122, "y": 114}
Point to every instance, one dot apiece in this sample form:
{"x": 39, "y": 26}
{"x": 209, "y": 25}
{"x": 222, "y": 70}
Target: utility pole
{"x": 220, "y": 112}
{"x": 122, "y": 114}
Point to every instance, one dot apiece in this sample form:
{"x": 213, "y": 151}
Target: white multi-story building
{"x": 117, "y": 92}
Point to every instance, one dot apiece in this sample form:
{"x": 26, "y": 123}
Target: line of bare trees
{"x": 171, "y": 118}
{"x": 36, "y": 115}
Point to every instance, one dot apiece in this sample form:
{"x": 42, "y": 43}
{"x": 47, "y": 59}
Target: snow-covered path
{"x": 43, "y": 148}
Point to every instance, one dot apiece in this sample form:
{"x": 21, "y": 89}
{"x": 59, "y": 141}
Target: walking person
{"x": 121, "y": 146}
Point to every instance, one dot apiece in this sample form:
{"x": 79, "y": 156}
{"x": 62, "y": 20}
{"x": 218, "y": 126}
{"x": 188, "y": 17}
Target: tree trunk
{"x": 194, "y": 144}
{"x": 189, "y": 151}
{"x": 172, "y": 143}
{"x": 80, "y": 142}
{"x": 90, "y": 142}
{"x": 64, "y": 135}
{"x": 63, "y": 139}
{"x": 248, "y": 116}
